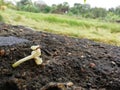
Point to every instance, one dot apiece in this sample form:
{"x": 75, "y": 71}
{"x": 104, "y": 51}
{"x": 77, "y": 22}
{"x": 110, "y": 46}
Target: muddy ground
{"x": 69, "y": 63}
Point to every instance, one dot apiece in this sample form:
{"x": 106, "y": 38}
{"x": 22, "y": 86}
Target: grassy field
{"x": 67, "y": 25}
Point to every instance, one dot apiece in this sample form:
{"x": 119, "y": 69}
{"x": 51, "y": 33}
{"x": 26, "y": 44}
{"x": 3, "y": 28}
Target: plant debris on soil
{"x": 68, "y": 63}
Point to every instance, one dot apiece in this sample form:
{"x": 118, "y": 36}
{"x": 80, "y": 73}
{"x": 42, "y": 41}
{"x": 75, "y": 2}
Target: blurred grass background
{"x": 94, "y": 29}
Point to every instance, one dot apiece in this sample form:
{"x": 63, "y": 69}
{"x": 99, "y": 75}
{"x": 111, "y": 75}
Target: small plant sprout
{"x": 35, "y": 54}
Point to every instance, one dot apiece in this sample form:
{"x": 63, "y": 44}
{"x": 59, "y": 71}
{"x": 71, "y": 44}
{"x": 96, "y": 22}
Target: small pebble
{"x": 70, "y": 84}
{"x": 113, "y": 62}
{"x": 92, "y": 65}
{"x": 2, "y": 52}
{"x": 78, "y": 88}
{"x": 69, "y": 53}
{"x": 44, "y": 35}
{"x": 12, "y": 49}
{"x": 82, "y": 56}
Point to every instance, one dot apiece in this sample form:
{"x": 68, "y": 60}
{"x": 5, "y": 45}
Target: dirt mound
{"x": 84, "y": 63}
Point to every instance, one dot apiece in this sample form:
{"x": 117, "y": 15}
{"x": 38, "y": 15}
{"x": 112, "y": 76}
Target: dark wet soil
{"x": 86, "y": 64}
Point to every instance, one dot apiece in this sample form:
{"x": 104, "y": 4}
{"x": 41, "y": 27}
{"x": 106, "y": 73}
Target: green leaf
{"x": 84, "y": 1}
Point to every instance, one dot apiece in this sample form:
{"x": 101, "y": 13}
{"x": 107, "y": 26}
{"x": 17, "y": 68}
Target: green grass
{"x": 67, "y": 25}
{"x": 1, "y": 18}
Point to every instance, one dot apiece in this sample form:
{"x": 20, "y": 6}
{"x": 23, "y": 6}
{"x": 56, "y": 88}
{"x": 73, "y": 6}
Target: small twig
{"x": 34, "y": 55}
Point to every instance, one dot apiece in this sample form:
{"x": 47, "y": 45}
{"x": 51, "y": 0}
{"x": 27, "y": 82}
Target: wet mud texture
{"x": 86, "y": 64}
